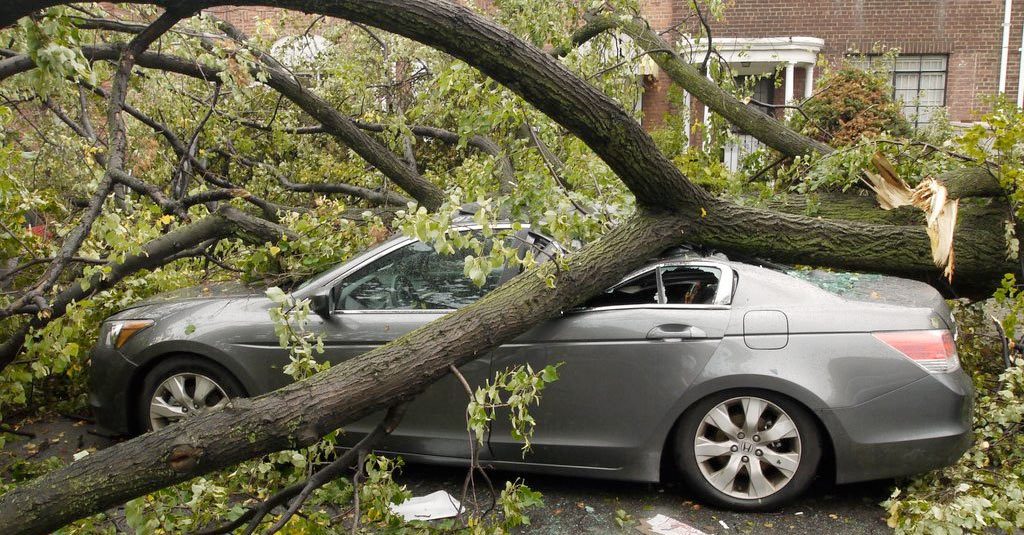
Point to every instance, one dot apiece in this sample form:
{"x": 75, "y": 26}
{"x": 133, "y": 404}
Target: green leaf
{"x": 276, "y": 295}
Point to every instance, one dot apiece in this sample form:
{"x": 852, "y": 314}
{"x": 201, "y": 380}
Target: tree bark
{"x": 900, "y": 250}
{"x": 974, "y": 213}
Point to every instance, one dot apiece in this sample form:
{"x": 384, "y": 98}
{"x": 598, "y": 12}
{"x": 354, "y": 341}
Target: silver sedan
{"x": 743, "y": 380}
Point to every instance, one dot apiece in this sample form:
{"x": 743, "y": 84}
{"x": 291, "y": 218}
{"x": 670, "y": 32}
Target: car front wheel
{"x": 748, "y": 450}
{"x": 183, "y": 386}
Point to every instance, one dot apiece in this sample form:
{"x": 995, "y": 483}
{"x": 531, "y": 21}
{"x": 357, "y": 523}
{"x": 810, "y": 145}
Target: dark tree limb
{"x": 337, "y": 467}
{"x": 340, "y": 126}
{"x": 185, "y": 154}
{"x": 385, "y": 198}
{"x": 707, "y": 32}
{"x": 37, "y": 261}
{"x": 505, "y": 170}
{"x": 765, "y": 128}
{"x": 332, "y": 121}
{"x": 183, "y": 174}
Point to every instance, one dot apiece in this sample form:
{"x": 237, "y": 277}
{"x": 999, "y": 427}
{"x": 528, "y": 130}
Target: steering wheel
{"x": 402, "y": 292}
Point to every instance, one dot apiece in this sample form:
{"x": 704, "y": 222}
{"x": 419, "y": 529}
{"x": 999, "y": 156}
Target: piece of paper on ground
{"x": 435, "y": 505}
{"x": 665, "y": 525}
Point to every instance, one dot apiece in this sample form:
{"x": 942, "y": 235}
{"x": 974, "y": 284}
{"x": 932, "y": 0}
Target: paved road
{"x": 575, "y": 505}
{"x": 572, "y": 505}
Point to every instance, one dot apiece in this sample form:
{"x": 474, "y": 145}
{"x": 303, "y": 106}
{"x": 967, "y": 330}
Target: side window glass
{"x": 414, "y": 277}
{"x": 642, "y": 290}
{"x": 689, "y": 285}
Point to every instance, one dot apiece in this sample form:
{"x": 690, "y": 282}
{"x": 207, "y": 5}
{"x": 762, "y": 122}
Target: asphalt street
{"x": 571, "y": 505}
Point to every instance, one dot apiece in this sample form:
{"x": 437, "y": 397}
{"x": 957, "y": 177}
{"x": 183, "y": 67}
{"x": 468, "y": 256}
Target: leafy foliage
{"x": 984, "y": 490}
{"x": 852, "y": 104}
{"x": 515, "y": 389}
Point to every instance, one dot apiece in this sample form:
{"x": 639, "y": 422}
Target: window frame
{"x": 916, "y": 105}
{"x": 723, "y": 297}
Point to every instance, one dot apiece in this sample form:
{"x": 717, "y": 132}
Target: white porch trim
{"x": 755, "y": 52}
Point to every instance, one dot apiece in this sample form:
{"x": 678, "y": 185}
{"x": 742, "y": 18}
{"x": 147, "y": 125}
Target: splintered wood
{"x": 930, "y": 196}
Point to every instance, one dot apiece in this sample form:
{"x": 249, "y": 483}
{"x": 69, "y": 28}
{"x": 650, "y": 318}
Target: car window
{"x": 414, "y": 277}
{"x": 642, "y": 290}
{"x": 689, "y": 285}
{"x": 673, "y": 285}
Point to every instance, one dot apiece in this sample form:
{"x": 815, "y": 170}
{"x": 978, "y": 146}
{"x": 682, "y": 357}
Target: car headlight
{"x": 120, "y": 331}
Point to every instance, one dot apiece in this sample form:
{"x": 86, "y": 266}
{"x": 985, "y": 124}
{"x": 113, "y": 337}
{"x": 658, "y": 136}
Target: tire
{"x": 192, "y": 372}
{"x": 725, "y": 472}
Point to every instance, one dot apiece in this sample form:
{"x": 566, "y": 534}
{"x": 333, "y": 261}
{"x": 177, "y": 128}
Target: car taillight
{"x": 934, "y": 350}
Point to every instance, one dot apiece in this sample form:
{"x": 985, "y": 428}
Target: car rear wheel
{"x": 748, "y": 449}
{"x": 181, "y": 387}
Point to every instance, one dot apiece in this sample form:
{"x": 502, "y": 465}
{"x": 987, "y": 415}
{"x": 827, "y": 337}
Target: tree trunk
{"x": 974, "y": 213}
{"x": 981, "y": 253}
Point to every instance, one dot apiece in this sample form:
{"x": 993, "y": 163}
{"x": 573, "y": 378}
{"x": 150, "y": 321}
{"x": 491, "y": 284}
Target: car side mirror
{"x": 322, "y": 305}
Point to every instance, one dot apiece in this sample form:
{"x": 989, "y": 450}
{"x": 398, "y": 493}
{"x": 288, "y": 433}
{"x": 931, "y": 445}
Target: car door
{"x": 389, "y": 295}
{"x": 627, "y": 356}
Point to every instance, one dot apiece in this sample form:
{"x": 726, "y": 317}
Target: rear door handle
{"x": 676, "y": 331}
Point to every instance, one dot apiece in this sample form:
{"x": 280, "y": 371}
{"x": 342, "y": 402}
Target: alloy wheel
{"x": 747, "y": 447}
{"x": 183, "y": 395}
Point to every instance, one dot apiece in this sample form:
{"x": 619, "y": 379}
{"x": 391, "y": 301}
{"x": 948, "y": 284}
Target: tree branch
{"x": 340, "y": 126}
{"x": 225, "y": 222}
{"x": 117, "y": 142}
{"x": 385, "y": 198}
{"x": 332, "y": 471}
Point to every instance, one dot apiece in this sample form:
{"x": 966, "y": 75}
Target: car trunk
{"x": 874, "y": 288}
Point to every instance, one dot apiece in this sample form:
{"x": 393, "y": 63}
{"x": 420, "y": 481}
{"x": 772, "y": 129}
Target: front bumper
{"x": 110, "y": 397}
{"x": 925, "y": 425}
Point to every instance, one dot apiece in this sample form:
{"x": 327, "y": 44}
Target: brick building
{"x": 952, "y": 53}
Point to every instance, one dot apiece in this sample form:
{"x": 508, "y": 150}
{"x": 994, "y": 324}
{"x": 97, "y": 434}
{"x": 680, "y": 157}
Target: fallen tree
{"x": 971, "y": 181}
{"x": 670, "y": 210}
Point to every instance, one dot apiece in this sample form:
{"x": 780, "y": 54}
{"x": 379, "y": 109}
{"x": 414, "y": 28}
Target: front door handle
{"x": 676, "y": 331}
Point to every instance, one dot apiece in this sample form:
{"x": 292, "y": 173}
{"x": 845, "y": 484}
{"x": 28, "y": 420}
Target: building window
{"x": 918, "y": 81}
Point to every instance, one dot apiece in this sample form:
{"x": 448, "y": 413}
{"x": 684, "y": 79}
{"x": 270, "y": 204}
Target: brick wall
{"x": 969, "y": 31}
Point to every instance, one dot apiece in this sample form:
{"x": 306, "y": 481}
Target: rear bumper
{"x": 919, "y": 427}
{"x": 109, "y": 396}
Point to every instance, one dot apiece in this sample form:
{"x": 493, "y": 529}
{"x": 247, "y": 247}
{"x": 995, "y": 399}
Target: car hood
{"x": 203, "y": 292}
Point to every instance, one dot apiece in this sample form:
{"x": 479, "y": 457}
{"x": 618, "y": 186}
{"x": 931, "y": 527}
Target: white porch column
{"x": 809, "y": 81}
{"x": 789, "y": 82}
{"x": 707, "y": 110}
{"x": 790, "y": 72}
{"x": 687, "y": 114}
